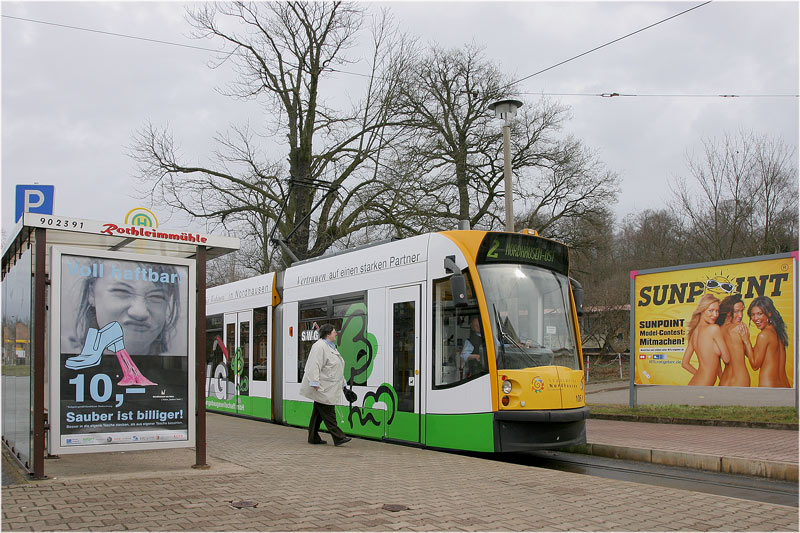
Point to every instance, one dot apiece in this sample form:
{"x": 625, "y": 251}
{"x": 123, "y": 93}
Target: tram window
{"x": 349, "y": 317}
{"x": 260, "y": 344}
{"x": 309, "y": 334}
{"x": 230, "y": 343}
{"x": 313, "y": 313}
{"x": 455, "y": 329}
{"x": 532, "y": 316}
{"x": 343, "y": 307}
{"x": 213, "y": 330}
{"x": 314, "y": 310}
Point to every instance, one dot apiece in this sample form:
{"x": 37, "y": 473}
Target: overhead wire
{"x": 609, "y": 43}
{"x": 615, "y": 94}
{"x": 664, "y": 95}
{"x": 341, "y": 71}
{"x": 114, "y": 34}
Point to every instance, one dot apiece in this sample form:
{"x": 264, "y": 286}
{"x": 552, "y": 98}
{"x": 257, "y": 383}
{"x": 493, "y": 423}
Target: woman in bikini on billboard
{"x": 704, "y": 338}
{"x": 769, "y": 352}
{"x": 737, "y": 337}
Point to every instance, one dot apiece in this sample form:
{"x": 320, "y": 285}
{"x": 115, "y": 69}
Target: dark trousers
{"x": 323, "y": 413}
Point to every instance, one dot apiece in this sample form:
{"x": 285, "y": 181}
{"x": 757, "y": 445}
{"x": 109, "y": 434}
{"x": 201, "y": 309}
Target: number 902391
{"x": 61, "y": 222}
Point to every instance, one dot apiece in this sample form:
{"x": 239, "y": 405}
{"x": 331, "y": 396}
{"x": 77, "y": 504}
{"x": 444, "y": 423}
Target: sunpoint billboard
{"x": 728, "y": 323}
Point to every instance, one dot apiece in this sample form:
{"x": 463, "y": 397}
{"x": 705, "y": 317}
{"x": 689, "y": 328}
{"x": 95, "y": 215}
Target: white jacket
{"x": 326, "y": 366}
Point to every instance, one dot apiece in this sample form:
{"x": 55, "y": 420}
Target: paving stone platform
{"x": 300, "y": 487}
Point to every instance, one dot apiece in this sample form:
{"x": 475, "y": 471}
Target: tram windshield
{"x": 531, "y": 316}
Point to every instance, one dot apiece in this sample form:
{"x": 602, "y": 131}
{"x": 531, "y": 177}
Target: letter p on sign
{"x": 34, "y": 199}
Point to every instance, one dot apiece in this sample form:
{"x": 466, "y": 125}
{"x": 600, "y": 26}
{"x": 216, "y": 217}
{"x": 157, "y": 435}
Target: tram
{"x": 462, "y": 340}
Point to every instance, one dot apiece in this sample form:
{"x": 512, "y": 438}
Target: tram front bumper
{"x": 517, "y": 431}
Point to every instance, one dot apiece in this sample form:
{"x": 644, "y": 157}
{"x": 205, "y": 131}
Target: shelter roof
{"x": 111, "y": 236}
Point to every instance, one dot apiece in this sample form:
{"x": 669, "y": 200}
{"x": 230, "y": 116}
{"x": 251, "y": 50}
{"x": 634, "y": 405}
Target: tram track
{"x": 732, "y": 485}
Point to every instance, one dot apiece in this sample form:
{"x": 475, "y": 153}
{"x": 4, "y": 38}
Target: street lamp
{"x": 506, "y": 110}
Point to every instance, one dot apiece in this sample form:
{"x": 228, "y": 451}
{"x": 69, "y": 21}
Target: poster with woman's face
{"x": 124, "y": 350}
{"x": 147, "y": 300}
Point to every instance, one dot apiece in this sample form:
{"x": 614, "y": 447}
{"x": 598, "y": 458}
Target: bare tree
{"x": 565, "y": 182}
{"x": 445, "y": 99}
{"x": 652, "y": 239}
{"x": 453, "y": 167}
{"x": 774, "y": 217}
{"x": 734, "y": 196}
{"x": 226, "y": 269}
{"x": 594, "y": 262}
{"x": 284, "y": 52}
{"x": 603, "y": 258}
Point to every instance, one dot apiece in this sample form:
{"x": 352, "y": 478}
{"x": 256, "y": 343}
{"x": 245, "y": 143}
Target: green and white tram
{"x": 462, "y": 340}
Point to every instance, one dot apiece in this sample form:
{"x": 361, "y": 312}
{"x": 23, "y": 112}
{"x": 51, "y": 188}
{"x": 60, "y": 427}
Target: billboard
{"x": 725, "y": 323}
{"x": 122, "y": 351}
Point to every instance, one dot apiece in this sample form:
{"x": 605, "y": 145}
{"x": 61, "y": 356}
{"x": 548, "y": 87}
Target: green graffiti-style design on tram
{"x": 464, "y": 340}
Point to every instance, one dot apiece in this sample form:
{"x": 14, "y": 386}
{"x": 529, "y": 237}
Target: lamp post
{"x": 506, "y": 110}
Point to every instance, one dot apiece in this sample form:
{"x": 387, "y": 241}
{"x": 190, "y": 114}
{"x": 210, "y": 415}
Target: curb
{"x": 713, "y": 463}
{"x": 692, "y": 421}
{"x": 612, "y": 389}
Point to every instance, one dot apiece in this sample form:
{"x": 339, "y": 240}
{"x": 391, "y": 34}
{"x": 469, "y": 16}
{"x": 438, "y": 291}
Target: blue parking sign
{"x": 34, "y": 199}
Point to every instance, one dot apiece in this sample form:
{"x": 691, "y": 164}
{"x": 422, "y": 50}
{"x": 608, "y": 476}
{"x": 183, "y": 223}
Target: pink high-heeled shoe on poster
{"x": 109, "y": 336}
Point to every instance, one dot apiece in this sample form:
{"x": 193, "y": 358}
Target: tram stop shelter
{"x": 103, "y": 338}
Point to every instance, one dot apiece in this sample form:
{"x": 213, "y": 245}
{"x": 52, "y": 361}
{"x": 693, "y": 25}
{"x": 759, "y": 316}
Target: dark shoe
{"x": 318, "y": 441}
{"x": 343, "y": 441}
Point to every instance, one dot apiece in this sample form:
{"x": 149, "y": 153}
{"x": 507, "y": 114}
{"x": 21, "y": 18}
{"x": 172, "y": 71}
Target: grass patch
{"x": 781, "y": 415}
{"x": 16, "y": 370}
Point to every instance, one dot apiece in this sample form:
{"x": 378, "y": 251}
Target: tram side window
{"x": 214, "y": 331}
{"x": 459, "y": 350}
{"x": 312, "y": 314}
{"x": 343, "y": 312}
{"x": 260, "y": 344}
{"x": 350, "y": 320}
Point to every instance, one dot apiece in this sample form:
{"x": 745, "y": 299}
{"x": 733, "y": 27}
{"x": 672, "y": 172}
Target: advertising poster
{"x": 123, "y": 368}
{"x": 725, "y": 324}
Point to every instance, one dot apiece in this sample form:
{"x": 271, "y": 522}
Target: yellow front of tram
{"x": 532, "y": 339}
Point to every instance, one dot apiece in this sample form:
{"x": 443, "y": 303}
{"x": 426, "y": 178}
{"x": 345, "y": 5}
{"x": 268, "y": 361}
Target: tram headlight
{"x": 506, "y": 387}
{"x": 505, "y": 400}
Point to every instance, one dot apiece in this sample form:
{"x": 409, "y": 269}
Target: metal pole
{"x": 507, "y": 176}
{"x": 200, "y": 360}
{"x": 38, "y": 353}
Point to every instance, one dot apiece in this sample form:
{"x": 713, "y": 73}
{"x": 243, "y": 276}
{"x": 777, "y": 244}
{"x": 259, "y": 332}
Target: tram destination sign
{"x": 527, "y": 249}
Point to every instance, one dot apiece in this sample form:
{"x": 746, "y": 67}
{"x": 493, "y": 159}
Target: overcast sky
{"x": 72, "y": 100}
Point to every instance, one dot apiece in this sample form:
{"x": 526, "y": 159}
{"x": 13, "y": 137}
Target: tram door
{"x": 403, "y": 334}
{"x": 239, "y": 341}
